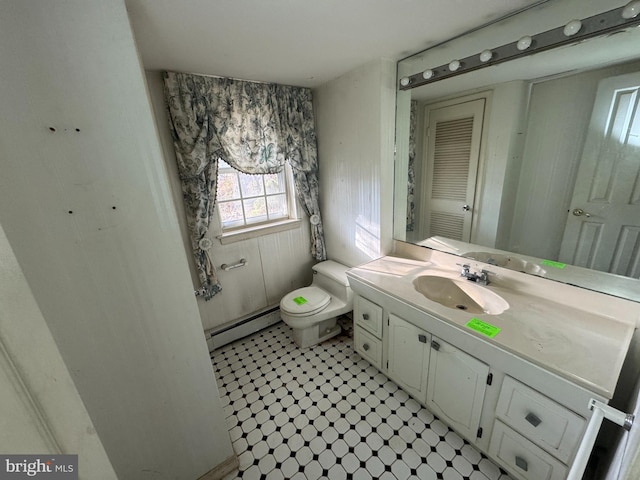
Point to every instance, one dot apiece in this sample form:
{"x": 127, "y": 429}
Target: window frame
{"x": 243, "y": 232}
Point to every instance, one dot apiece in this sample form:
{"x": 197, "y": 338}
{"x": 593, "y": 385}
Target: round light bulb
{"x": 486, "y": 55}
{"x": 572, "y": 28}
{"x": 524, "y": 42}
{"x": 631, "y": 10}
{"x": 454, "y": 65}
{"x": 404, "y": 81}
{"x": 427, "y": 74}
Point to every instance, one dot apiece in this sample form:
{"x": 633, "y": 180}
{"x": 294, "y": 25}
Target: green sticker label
{"x": 551, "y": 263}
{"x": 300, "y": 300}
{"x": 482, "y": 327}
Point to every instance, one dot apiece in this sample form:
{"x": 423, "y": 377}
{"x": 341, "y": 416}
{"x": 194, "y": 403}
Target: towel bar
{"x": 241, "y": 263}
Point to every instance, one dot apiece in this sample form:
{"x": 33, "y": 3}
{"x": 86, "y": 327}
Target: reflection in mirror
{"x": 537, "y": 157}
{"x": 616, "y": 285}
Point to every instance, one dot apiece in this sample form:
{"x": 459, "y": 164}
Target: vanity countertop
{"x": 580, "y": 335}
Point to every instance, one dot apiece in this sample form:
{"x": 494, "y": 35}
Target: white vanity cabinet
{"x": 448, "y": 381}
{"x": 545, "y": 422}
{"x": 456, "y": 387}
{"x": 474, "y": 388}
{"x": 532, "y": 434}
{"x": 367, "y": 330}
{"x": 522, "y": 458}
{"x": 517, "y": 383}
{"x": 408, "y": 356}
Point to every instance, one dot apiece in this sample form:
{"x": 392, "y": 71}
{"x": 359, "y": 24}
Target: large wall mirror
{"x": 537, "y": 156}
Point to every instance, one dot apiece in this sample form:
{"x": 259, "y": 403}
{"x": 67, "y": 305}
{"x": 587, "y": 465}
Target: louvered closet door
{"x": 452, "y": 154}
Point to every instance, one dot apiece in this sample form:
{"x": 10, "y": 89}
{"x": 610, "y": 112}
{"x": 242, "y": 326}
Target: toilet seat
{"x": 305, "y": 301}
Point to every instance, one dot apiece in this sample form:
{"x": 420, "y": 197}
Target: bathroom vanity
{"x": 516, "y": 382}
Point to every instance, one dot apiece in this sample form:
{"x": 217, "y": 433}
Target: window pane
{"x": 247, "y": 200}
{"x": 274, "y": 183}
{"x": 277, "y": 206}
{"x": 231, "y": 214}
{"x": 228, "y": 188}
{"x": 251, "y": 185}
{"x": 255, "y": 210}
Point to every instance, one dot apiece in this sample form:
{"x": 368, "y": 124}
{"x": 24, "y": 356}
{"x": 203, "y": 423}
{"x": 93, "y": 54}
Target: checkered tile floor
{"x": 324, "y": 412}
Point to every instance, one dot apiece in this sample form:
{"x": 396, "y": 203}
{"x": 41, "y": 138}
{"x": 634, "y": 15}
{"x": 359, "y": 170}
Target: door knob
{"x": 578, "y": 212}
{"x": 466, "y": 208}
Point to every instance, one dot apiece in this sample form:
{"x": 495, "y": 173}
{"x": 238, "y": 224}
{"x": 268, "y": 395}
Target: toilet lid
{"x": 305, "y": 301}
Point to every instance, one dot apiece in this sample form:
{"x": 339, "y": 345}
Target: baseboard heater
{"x": 219, "y": 337}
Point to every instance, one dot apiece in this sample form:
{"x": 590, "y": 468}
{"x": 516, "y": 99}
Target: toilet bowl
{"x": 311, "y": 312}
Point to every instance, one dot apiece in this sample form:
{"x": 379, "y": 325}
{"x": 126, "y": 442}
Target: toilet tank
{"x": 332, "y": 277}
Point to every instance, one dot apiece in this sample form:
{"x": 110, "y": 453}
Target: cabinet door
{"x": 408, "y": 357}
{"x": 457, "y": 382}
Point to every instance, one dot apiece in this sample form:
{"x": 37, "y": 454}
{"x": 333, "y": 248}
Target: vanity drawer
{"x": 548, "y": 424}
{"x": 522, "y": 458}
{"x": 368, "y": 346}
{"x": 368, "y": 315}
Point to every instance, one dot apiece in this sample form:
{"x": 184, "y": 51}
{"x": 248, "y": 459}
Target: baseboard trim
{"x": 225, "y": 468}
{"x": 224, "y": 335}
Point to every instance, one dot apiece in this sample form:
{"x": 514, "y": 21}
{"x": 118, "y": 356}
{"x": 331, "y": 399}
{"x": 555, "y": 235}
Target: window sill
{"x": 258, "y": 230}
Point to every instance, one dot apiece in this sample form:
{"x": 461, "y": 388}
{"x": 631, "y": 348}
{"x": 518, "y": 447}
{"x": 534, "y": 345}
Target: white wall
{"x": 88, "y": 213}
{"x": 355, "y": 123}
{"x": 42, "y": 410}
{"x": 277, "y": 263}
{"x": 500, "y": 170}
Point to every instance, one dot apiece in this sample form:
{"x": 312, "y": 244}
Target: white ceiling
{"x": 297, "y": 42}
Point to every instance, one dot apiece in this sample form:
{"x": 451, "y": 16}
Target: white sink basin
{"x": 460, "y": 294}
{"x": 506, "y": 261}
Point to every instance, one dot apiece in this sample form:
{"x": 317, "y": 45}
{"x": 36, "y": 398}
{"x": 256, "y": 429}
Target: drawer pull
{"x": 365, "y": 316}
{"x": 435, "y": 345}
{"x": 522, "y": 464}
{"x": 365, "y": 347}
{"x": 422, "y": 338}
{"x": 533, "y": 419}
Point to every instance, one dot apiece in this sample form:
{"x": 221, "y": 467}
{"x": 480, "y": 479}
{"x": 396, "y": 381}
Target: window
{"x": 251, "y": 202}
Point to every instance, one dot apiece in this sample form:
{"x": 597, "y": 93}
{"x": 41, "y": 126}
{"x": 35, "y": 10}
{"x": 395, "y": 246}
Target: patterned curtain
{"x": 411, "y": 181}
{"x": 295, "y": 109}
{"x": 255, "y": 128}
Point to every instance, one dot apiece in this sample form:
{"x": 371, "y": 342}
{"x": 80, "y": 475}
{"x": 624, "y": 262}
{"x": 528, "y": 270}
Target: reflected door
{"x": 453, "y": 150}
{"x": 603, "y": 225}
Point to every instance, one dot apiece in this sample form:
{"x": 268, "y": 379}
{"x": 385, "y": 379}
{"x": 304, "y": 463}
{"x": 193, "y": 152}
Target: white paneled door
{"x": 603, "y": 222}
{"x": 453, "y": 140}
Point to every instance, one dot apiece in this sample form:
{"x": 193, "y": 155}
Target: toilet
{"x": 312, "y": 311}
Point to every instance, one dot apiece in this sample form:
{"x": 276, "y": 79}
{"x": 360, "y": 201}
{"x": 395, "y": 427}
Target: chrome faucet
{"x": 482, "y": 278}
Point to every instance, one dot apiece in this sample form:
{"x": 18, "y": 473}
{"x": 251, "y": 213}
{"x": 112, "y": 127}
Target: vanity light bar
{"x": 574, "y": 31}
